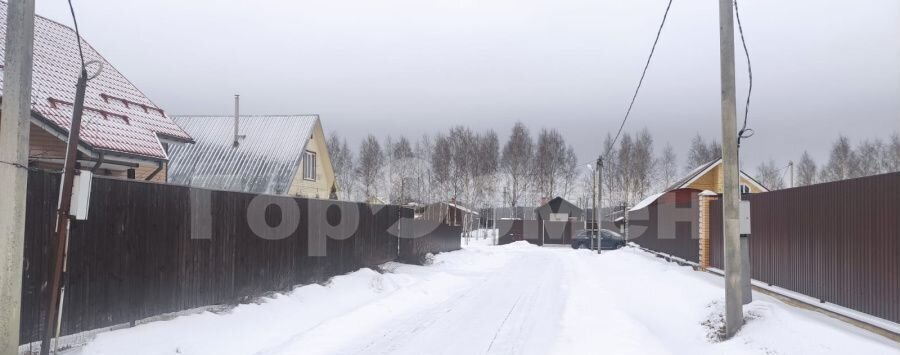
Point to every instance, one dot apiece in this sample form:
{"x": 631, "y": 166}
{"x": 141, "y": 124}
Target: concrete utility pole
{"x": 734, "y": 312}
{"x": 598, "y": 215}
{"x": 791, "y": 166}
{"x": 593, "y": 202}
{"x": 14, "y": 129}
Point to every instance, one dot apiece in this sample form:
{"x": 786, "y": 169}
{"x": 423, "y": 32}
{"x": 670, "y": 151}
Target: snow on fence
{"x": 838, "y": 242}
{"x": 138, "y": 255}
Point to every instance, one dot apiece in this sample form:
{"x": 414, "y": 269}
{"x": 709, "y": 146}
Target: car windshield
{"x": 611, "y": 234}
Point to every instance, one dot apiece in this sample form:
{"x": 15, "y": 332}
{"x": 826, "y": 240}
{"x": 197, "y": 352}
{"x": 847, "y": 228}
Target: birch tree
{"x": 516, "y": 164}
{"x": 549, "y": 161}
{"x": 370, "y": 166}
{"x": 342, "y": 163}
{"x": 840, "y": 162}
{"x": 701, "y": 152}
{"x": 806, "y": 170}
{"x": 770, "y": 176}
{"x": 668, "y": 166}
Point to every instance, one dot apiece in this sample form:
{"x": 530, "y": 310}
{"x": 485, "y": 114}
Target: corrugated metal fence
{"x": 135, "y": 257}
{"x": 669, "y": 225}
{"x": 838, "y": 242}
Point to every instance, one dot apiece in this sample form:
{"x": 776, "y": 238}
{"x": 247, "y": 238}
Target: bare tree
{"x": 485, "y": 164}
{"x": 611, "y": 182}
{"x": 402, "y": 160}
{"x": 518, "y": 157}
{"x": 806, "y": 170}
{"x": 869, "y": 158}
{"x": 701, "y": 153}
{"x": 770, "y": 176}
{"x": 641, "y": 166}
{"x": 570, "y": 172}
{"x": 891, "y": 154}
{"x": 441, "y": 166}
{"x": 422, "y": 170}
{"x": 370, "y": 166}
{"x": 668, "y": 165}
{"x": 342, "y": 163}
{"x": 840, "y": 163}
{"x": 548, "y": 161}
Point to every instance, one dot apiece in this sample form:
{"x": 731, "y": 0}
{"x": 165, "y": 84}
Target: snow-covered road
{"x": 513, "y": 299}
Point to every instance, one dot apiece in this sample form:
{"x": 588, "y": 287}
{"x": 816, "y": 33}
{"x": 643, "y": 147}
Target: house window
{"x": 309, "y": 165}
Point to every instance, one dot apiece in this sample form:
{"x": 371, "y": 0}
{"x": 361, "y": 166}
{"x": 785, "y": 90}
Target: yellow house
{"x": 279, "y": 155}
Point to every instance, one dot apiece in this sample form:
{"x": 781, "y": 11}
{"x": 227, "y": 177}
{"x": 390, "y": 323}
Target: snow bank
{"x": 641, "y": 304}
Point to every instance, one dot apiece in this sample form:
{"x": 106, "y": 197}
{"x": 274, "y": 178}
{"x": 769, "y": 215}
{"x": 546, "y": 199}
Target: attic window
{"x": 309, "y": 165}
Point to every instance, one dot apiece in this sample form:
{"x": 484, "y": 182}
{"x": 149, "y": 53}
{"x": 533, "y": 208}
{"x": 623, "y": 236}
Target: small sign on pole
{"x": 81, "y": 195}
{"x": 745, "y": 218}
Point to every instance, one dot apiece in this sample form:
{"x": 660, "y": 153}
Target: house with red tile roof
{"x": 123, "y": 132}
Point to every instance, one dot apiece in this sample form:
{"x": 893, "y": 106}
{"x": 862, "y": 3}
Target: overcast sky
{"x": 821, "y": 67}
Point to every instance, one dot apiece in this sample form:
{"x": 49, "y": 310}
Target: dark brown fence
{"x": 838, "y": 242}
{"x": 537, "y": 232}
{"x": 669, "y": 225}
{"x": 422, "y": 237}
{"x": 135, "y": 257}
{"x": 517, "y": 229}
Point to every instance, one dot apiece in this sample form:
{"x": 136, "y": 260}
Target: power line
{"x": 744, "y": 132}
{"x": 77, "y": 33}
{"x": 643, "y": 73}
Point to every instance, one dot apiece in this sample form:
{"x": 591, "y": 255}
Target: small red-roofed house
{"x": 123, "y": 133}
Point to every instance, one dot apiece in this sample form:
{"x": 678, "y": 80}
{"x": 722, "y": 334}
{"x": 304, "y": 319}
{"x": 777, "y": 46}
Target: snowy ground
{"x": 513, "y": 299}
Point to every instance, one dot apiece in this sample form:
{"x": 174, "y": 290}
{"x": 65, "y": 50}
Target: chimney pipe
{"x": 237, "y": 119}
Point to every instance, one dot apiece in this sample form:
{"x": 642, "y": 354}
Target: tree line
{"x": 868, "y": 157}
{"x": 475, "y": 169}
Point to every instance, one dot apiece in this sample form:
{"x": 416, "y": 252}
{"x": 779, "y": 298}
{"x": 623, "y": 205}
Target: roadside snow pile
{"x": 640, "y": 304}
{"x": 314, "y": 311}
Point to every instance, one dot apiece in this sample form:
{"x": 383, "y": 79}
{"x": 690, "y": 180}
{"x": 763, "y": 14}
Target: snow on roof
{"x": 265, "y": 161}
{"x": 118, "y": 117}
{"x": 646, "y": 202}
{"x": 708, "y": 193}
{"x": 462, "y": 208}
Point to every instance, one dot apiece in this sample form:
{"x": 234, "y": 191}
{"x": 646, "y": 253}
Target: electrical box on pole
{"x": 745, "y": 218}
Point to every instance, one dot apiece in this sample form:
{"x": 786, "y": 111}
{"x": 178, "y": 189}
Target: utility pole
{"x": 791, "y": 166}
{"x": 593, "y": 201}
{"x": 734, "y": 313}
{"x": 15, "y": 121}
{"x": 63, "y": 219}
{"x": 598, "y": 215}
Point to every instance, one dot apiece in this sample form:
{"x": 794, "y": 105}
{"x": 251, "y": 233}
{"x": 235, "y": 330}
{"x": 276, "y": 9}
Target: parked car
{"x": 610, "y": 240}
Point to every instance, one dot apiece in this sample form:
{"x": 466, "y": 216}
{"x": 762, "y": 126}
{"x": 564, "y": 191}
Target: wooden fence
{"x": 138, "y": 254}
{"x": 838, "y": 242}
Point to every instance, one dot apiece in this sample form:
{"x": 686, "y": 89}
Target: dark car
{"x": 611, "y": 240}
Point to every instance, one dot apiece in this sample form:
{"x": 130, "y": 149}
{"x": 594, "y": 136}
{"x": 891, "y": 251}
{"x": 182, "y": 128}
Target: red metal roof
{"x": 118, "y": 117}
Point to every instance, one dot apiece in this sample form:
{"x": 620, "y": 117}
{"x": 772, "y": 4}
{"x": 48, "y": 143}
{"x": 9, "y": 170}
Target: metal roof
{"x": 118, "y": 117}
{"x": 265, "y": 161}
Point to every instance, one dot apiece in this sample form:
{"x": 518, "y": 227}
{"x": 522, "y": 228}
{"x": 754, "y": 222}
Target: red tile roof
{"x": 118, "y": 118}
